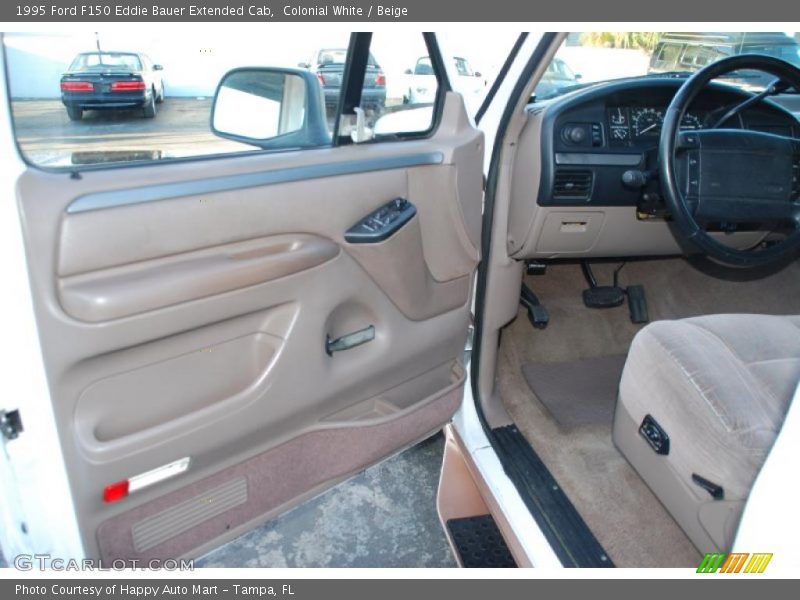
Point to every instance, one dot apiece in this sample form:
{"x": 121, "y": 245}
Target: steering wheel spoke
{"x": 738, "y": 210}
{"x": 728, "y": 177}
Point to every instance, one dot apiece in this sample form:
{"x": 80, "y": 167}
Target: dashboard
{"x": 592, "y": 137}
{"x": 584, "y": 178}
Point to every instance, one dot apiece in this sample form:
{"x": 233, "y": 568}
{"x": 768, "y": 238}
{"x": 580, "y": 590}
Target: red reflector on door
{"x": 115, "y": 491}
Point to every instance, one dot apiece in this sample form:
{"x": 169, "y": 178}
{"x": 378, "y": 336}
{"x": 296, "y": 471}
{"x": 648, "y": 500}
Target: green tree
{"x": 637, "y": 40}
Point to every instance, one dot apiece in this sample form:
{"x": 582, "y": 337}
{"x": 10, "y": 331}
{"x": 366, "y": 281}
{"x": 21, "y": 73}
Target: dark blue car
{"x": 111, "y": 80}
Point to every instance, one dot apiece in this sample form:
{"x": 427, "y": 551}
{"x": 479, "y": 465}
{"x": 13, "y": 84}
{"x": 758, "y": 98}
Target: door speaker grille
{"x": 175, "y": 520}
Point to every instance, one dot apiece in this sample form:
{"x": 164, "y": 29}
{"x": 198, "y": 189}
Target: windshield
{"x": 103, "y": 60}
{"x": 588, "y": 57}
{"x": 462, "y": 67}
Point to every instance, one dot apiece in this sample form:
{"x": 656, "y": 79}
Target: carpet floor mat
{"x": 577, "y": 392}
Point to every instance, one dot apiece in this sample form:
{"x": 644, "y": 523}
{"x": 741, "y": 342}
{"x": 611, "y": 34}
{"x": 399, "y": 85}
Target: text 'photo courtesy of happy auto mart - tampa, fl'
{"x": 260, "y": 10}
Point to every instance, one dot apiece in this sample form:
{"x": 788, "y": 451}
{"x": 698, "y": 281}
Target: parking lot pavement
{"x": 383, "y": 517}
{"x": 180, "y": 128}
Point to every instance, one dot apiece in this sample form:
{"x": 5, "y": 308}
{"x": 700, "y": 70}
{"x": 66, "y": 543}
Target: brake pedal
{"x": 605, "y": 296}
{"x": 537, "y": 314}
{"x": 601, "y": 296}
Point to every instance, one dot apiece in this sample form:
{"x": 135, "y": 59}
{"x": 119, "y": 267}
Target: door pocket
{"x": 161, "y": 394}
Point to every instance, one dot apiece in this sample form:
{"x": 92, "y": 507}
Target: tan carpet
{"x": 627, "y": 519}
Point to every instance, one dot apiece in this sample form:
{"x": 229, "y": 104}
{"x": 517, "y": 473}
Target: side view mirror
{"x": 158, "y": 68}
{"x": 270, "y": 108}
{"x": 408, "y": 72}
{"x": 478, "y": 74}
{"x": 304, "y": 65}
{"x": 578, "y": 76}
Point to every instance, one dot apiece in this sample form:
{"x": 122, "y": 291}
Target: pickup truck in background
{"x": 328, "y": 65}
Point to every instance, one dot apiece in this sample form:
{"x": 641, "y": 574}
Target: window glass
{"x": 76, "y": 102}
{"x": 462, "y": 67}
{"x": 97, "y": 61}
{"x": 477, "y": 57}
{"x": 587, "y": 57}
{"x": 473, "y": 61}
{"x": 700, "y": 56}
{"x": 424, "y": 66}
{"x": 787, "y": 53}
{"x": 400, "y": 85}
{"x": 669, "y": 53}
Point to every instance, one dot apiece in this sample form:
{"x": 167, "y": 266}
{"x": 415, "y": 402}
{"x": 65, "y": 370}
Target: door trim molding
{"x": 167, "y": 191}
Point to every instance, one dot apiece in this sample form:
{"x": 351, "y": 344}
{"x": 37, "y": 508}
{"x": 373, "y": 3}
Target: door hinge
{"x": 468, "y": 346}
{"x": 10, "y": 424}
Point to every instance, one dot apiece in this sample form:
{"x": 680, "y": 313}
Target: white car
{"x": 422, "y": 82}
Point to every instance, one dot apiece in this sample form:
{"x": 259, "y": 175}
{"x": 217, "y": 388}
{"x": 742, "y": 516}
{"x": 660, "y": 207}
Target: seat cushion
{"x": 720, "y": 387}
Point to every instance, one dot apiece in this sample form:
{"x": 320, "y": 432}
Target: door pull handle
{"x": 351, "y": 340}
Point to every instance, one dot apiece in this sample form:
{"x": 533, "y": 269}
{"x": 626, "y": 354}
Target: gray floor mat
{"x": 577, "y": 392}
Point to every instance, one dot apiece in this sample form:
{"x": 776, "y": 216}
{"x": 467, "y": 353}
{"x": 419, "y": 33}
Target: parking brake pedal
{"x": 537, "y": 314}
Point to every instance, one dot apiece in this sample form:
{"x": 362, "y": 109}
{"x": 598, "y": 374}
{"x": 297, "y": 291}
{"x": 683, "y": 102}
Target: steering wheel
{"x": 731, "y": 176}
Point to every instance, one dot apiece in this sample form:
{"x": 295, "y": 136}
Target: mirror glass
{"x": 259, "y": 104}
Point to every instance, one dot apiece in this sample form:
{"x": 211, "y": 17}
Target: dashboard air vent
{"x": 572, "y": 185}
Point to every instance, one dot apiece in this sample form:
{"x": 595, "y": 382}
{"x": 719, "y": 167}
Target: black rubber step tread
{"x": 562, "y": 525}
{"x": 479, "y": 543}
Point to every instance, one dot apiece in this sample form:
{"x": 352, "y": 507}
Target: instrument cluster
{"x": 628, "y": 125}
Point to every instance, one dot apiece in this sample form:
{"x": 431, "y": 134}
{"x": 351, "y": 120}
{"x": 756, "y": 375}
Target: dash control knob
{"x": 576, "y": 134}
{"x": 634, "y": 178}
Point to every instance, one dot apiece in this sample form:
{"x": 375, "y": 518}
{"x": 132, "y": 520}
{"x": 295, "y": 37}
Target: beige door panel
{"x": 399, "y": 267}
{"x": 273, "y": 398}
{"x": 324, "y": 207}
{"x": 117, "y": 292}
{"x": 173, "y": 385}
{"x": 275, "y": 480}
{"x": 443, "y": 223}
{"x": 184, "y": 309}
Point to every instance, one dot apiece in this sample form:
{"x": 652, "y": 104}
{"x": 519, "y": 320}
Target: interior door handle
{"x": 351, "y": 340}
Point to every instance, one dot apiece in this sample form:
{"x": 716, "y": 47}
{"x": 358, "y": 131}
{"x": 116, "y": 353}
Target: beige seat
{"x": 719, "y": 387}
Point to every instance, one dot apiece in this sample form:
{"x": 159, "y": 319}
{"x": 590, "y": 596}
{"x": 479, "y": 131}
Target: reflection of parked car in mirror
{"x": 691, "y": 51}
{"x": 112, "y": 80}
{"x": 557, "y": 76}
{"x": 422, "y": 83}
{"x": 412, "y": 119}
{"x": 328, "y": 65}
